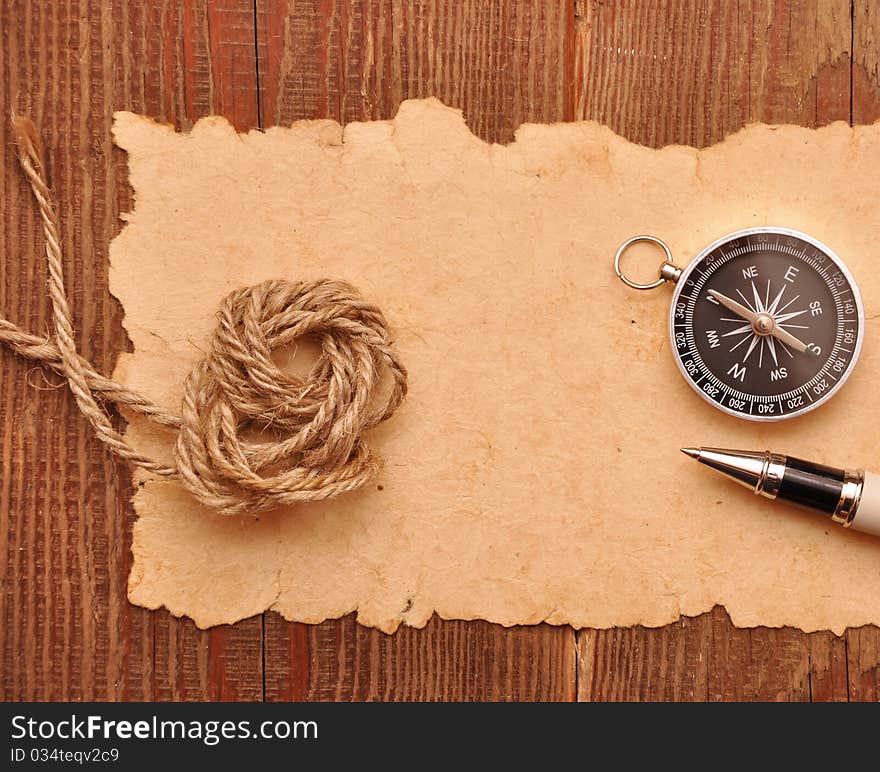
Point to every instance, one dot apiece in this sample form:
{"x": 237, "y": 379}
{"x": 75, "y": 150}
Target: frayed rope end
{"x": 27, "y": 140}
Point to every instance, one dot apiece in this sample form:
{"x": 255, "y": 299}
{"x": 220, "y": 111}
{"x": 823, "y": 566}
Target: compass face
{"x": 766, "y": 323}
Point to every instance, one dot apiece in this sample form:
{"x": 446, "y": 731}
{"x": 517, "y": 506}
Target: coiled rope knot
{"x": 316, "y": 449}
{"x": 250, "y": 436}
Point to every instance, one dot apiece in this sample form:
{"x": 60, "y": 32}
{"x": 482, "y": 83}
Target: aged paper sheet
{"x": 533, "y": 473}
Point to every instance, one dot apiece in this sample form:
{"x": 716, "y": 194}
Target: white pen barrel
{"x": 867, "y": 517}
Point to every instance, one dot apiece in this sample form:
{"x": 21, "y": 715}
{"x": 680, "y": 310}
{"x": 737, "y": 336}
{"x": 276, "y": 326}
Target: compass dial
{"x": 766, "y": 323}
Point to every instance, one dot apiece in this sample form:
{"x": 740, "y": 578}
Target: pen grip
{"x": 811, "y": 485}
{"x": 867, "y": 518}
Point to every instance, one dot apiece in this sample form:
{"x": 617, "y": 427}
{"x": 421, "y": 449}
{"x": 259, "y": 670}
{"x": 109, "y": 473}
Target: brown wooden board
{"x": 692, "y": 72}
{"x": 674, "y": 71}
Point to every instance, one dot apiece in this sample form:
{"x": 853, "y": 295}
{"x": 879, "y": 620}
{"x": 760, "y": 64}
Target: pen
{"x": 851, "y": 498}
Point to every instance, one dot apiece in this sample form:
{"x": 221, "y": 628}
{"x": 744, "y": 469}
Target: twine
{"x": 309, "y": 432}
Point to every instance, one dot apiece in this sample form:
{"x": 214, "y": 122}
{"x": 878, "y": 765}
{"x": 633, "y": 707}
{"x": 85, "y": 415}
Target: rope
{"x": 307, "y": 434}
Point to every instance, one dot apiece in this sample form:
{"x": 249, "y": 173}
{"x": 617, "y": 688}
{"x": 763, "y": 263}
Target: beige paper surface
{"x": 533, "y": 472}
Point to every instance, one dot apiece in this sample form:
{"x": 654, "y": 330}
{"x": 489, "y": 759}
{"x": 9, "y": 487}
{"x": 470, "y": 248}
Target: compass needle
{"x": 744, "y": 311}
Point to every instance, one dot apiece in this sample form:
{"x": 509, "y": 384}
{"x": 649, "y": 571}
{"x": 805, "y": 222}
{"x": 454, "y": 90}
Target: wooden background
{"x": 657, "y": 71}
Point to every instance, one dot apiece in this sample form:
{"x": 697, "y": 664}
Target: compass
{"x": 765, "y": 323}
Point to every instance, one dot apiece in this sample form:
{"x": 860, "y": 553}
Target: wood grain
{"x": 866, "y": 62}
{"x": 443, "y": 661}
{"x": 707, "y": 658}
{"x": 64, "y": 550}
{"x": 503, "y": 64}
{"x": 693, "y": 71}
{"x": 666, "y": 71}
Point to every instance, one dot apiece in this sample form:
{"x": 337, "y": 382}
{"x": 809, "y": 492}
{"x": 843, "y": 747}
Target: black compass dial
{"x": 766, "y": 323}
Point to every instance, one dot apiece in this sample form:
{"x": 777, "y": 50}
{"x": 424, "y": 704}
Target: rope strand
{"x": 315, "y": 425}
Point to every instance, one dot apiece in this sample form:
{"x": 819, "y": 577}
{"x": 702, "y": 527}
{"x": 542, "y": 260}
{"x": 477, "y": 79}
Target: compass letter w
{"x": 739, "y": 373}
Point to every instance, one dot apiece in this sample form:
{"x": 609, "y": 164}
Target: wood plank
{"x": 693, "y": 72}
{"x": 198, "y": 58}
{"x": 863, "y": 645}
{"x": 707, "y": 658}
{"x": 866, "y": 62}
{"x": 65, "y": 553}
{"x": 863, "y": 663}
{"x": 828, "y": 668}
{"x": 678, "y": 71}
{"x": 637, "y": 663}
{"x": 502, "y": 64}
{"x": 68, "y": 631}
{"x": 341, "y": 660}
{"x": 219, "y": 664}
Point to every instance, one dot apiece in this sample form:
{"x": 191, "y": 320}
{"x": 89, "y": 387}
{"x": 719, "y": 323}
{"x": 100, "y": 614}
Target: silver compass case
{"x": 766, "y": 323}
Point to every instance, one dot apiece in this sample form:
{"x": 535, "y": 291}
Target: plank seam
{"x": 259, "y": 104}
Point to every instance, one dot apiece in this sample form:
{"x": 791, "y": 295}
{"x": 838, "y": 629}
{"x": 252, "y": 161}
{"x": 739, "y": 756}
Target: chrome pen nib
{"x": 761, "y": 472}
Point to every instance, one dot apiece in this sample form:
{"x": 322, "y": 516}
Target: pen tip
{"x": 692, "y": 452}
